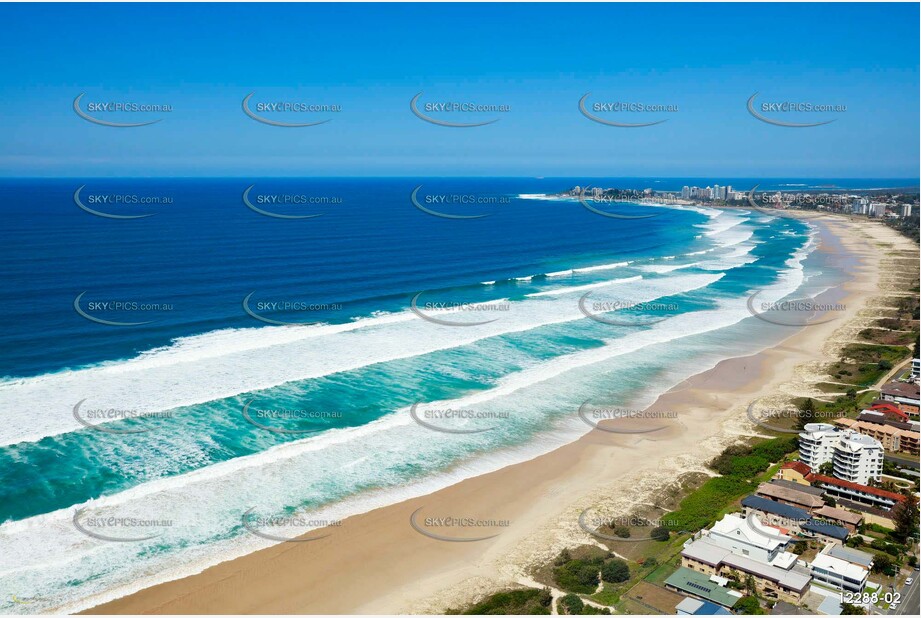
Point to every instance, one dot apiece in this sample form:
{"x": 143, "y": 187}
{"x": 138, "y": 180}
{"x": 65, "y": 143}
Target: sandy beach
{"x": 378, "y": 563}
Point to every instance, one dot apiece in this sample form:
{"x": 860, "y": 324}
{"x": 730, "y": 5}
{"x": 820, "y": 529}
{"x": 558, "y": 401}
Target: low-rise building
{"x": 698, "y": 607}
{"x": 794, "y": 472}
{"x": 824, "y": 531}
{"x": 903, "y": 394}
{"x": 845, "y": 519}
{"x": 838, "y": 573}
{"x": 854, "y": 556}
{"x": 771, "y": 582}
{"x": 775, "y": 513}
{"x": 892, "y": 438}
{"x": 748, "y": 536}
{"x": 703, "y": 586}
{"x": 802, "y": 497}
{"x": 856, "y": 492}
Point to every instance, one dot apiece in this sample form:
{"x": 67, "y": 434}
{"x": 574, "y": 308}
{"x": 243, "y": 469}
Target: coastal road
{"x": 911, "y": 598}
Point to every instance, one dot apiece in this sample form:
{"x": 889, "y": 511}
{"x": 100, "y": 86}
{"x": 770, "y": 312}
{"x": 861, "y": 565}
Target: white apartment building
{"x": 817, "y": 444}
{"x": 858, "y": 458}
{"x": 854, "y": 457}
{"x": 748, "y": 536}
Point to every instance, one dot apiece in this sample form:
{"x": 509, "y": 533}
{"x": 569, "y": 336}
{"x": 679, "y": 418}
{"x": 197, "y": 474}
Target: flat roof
{"x": 708, "y": 553}
{"x": 851, "y": 555}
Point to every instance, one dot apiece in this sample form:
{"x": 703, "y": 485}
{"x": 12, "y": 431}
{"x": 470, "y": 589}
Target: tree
{"x": 852, "y": 610}
{"x": 806, "y": 414}
{"x": 905, "y": 515}
{"x": 659, "y": 533}
{"x": 622, "y": 531}
{"x": 572, "y": 604}
{"x": 615, "y": 571}
{"x": 751, "y": 587}
{"x": 826, "y": 468}
{"x": 883, "y": 563}
{"x": 748, "y": 605}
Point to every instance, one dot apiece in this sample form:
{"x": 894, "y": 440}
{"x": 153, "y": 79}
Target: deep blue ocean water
{"x": 338, "y": 389}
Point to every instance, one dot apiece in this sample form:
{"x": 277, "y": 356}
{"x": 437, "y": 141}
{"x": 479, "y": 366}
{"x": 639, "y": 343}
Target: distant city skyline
{"x": 548, "y": 75}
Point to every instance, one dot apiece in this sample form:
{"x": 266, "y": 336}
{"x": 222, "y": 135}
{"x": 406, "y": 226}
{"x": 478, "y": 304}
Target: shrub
{"x": 572, "y": 604}
{"x": 659, "y": 533}
{"x": 748, "y": 605}
{"x": 578, "y": 575}
{"x": 615, "y": 571}
{"x": 622, "y": 531}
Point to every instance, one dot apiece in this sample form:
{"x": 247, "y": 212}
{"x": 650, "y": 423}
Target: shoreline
{"x": 377, "y": 563}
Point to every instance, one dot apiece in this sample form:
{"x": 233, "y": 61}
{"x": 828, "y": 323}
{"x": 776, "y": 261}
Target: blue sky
{"x": 706, "y": 59}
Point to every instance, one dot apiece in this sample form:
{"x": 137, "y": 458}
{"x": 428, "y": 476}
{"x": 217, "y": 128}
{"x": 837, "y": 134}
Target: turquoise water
{"x": 338, "y": 437}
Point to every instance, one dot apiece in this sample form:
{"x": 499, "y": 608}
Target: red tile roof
{"x": 889, "y": 408}
{"x": 882, "y": 493}
{"x": 798, "y": 466}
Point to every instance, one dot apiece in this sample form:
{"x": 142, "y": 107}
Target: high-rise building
{"x": 685, "y": 192}
{"x": 854, "y": 457}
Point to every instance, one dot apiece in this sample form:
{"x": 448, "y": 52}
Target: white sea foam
{"x": 220, "y": 364}
{"x": 42, "y": 553}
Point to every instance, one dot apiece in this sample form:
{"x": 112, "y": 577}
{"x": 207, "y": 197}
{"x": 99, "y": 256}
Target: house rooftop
{"x": 790, "y": 494}
{"x": 826, "y": 529}
{"x": 901, "y": 389}
{"x": 806, "y": 489}
{"x": 875, "y": 491}
{"x": 839, "y": 567}
{"x": 750, "y": 531}
{"x": 697, "y": 607}
{"x": 798, "y": 466}
{"x": 851, "y": 555}
{"x": 839, "y": 514}
{"x": 775, "y": 508}
{"x": 708, "y": 553}
{"x": 701, "y": 585}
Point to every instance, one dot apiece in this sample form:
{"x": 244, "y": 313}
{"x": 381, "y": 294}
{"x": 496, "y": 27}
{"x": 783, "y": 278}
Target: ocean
{"x": 167, "y": 375}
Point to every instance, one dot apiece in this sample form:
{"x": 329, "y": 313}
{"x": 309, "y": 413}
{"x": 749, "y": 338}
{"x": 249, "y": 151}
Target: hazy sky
{"x": 538, "y": 60}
